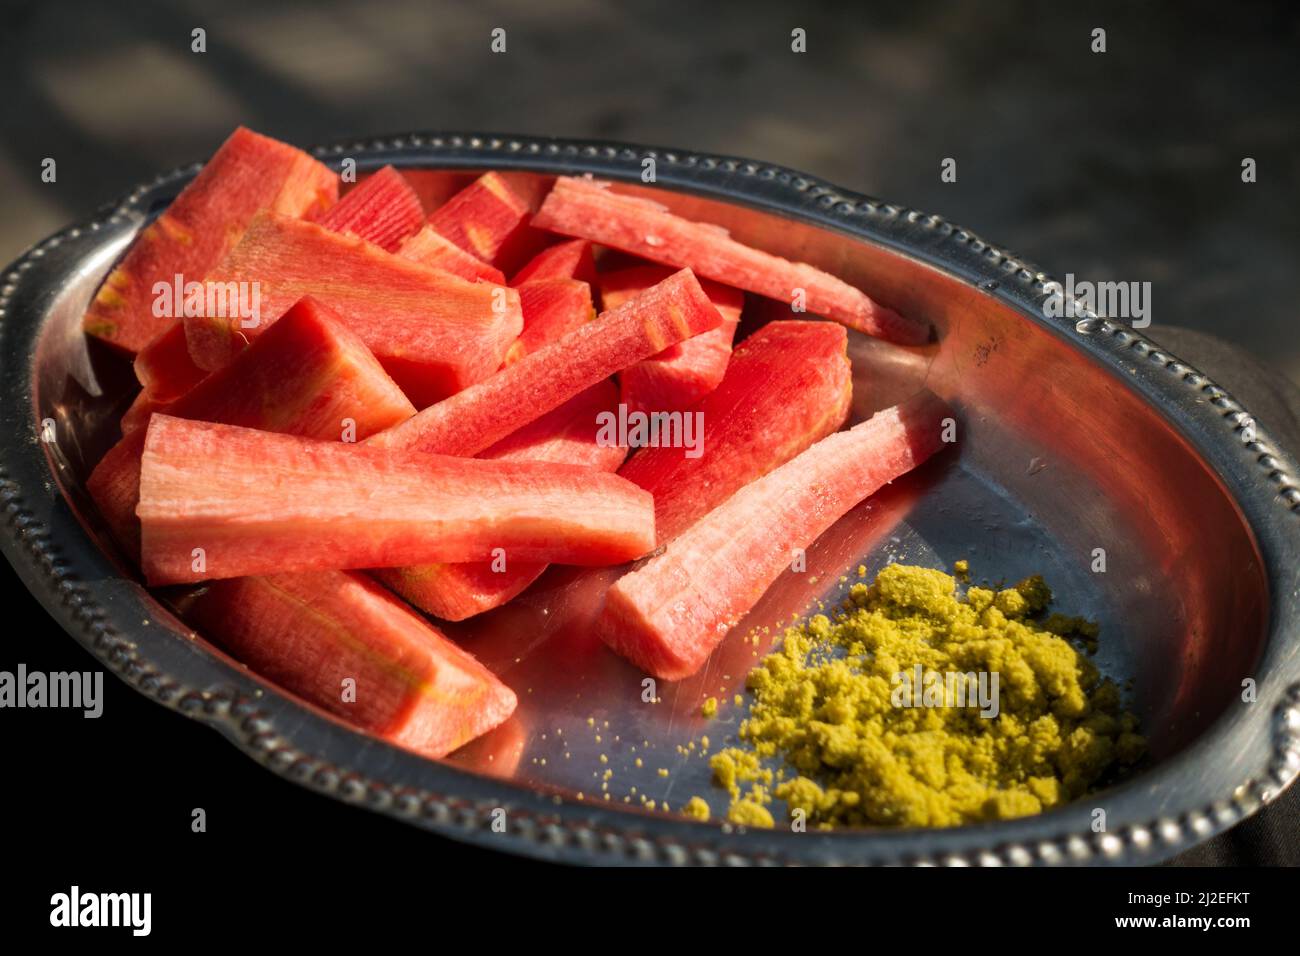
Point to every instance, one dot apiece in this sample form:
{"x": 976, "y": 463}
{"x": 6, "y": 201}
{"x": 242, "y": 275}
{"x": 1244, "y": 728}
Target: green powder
{"x": 831, "y": 734}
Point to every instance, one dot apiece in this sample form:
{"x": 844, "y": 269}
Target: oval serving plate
{"x": 1077, "y": 434}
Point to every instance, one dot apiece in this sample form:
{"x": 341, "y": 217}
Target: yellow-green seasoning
{"x": 913, "y": 705}
{"x": 696, "y": 808}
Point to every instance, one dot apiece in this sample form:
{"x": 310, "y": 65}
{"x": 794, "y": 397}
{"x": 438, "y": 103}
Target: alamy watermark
{"x": 923, "y": 688}
{"x": 1130, "y": 301}
{"x": 651, "y": 430}
{"x": 82, "y": 690}
{"x": 179, "y": 299}
{"x": 75, "y": 908}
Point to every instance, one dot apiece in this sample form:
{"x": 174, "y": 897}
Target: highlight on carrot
{"x": 383, "y": 209}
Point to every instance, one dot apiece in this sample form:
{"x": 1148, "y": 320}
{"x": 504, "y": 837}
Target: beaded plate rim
{"x": 65, "y": 570}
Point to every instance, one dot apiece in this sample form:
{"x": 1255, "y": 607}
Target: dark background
{"x": 1118, "y": 166}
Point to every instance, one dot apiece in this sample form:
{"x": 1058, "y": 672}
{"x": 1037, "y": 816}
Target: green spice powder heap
{"x": 825, "y": 706}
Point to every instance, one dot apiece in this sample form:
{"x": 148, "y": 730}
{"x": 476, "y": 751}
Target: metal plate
{"x": 1074, "y": 437}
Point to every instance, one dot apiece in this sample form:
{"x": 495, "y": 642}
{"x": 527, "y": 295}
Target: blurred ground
{"x": 1124, "y": 165}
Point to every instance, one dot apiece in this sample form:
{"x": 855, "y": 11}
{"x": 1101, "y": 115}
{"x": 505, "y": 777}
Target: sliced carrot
{"x": 218, "y": 501}
{"x": 428, "y": 247}
{"x": 382, "y": 208}
{"x": 164, "y": 367}
{"x": 248, "y": 174}
{"x": 474, "y": 419}
{"x": 668, "y": 616}
{"x": 787, "y": 386}
{"x": 345, "y": 644}
{"x": 434, "y": 332}
{"x": 567, "y": 435}
{"x": 552, "y": 308}
{"x": 681, "y": 374}
{"x": 490, "y": 220}
{"x": 308, "y": 375}
{"x": 588, "y": 209}
{"x": 564, "y": 260}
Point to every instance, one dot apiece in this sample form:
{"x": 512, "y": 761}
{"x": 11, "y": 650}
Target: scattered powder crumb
{"x": 696, "y": 808}
{"x": 709, "y": 707}
{"x": 750, "y": 813}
